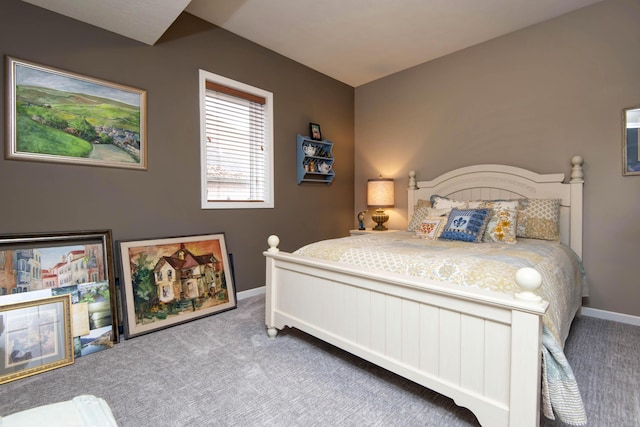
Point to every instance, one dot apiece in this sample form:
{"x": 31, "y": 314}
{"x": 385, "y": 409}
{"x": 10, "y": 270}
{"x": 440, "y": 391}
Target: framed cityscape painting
{"x": 175, "y": 280}
{"x": 79, "y": 264}
{"x": 63, "y": 117}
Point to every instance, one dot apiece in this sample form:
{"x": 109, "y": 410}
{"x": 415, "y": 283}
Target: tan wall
{"x": 38, "y": 197}
{"x": 532, "y": 99}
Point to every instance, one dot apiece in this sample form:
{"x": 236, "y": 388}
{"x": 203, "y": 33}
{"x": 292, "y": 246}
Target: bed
{"x": 489, "y": 350}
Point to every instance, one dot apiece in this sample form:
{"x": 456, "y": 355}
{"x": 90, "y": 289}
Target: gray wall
{"x": 165, "y": 200}
{"x": 533, "y": 99}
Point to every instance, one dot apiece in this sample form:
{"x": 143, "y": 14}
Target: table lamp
{"x": 380, "y": 195}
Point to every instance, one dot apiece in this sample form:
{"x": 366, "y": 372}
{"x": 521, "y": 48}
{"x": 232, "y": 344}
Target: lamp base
{"x": 380, "y": 217}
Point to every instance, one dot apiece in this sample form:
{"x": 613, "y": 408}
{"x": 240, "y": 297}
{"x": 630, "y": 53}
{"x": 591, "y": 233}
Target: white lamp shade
{"x": 380, "y": 193}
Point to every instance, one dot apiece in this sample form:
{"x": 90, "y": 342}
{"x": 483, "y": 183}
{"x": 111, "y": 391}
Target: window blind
{"x": 235, "y": 144}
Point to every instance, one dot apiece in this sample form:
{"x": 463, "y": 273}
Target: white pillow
{"x": 440, "y": 202}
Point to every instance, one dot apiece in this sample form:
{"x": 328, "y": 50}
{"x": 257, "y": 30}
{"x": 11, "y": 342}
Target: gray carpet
{"x": 224, "y": 370}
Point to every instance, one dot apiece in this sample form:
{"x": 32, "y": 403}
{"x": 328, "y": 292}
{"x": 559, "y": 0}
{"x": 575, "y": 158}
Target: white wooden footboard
{"x": 479, "y": 348}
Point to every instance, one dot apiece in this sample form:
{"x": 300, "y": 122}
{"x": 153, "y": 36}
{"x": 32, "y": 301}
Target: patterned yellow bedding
{"x": 480, "y": 265}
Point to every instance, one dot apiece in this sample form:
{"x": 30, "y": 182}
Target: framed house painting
{"x": 35, "y": 336}
{"x": 64, "y": 117}
{"x": 78, "y": 264}
{"x": 175, "y": 280}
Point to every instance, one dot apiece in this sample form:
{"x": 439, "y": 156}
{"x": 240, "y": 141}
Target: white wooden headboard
{"x": 490, "y": 182}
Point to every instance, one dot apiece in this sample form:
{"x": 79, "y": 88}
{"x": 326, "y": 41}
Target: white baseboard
{"x": 251, "y": 292}
{"x": 610, "y": 315}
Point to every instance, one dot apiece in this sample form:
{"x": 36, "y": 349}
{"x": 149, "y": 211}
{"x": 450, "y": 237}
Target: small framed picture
{"x": 35, "y": 336}
{"x": 175, "y": 280}
{"x": 314, "y": 131}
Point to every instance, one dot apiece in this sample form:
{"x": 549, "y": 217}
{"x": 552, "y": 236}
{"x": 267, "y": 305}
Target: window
{"x": 236, "y": 127}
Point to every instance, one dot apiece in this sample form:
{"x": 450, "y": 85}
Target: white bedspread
{"x": 489, "y": 266}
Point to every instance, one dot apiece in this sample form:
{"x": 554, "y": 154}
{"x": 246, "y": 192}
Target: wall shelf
{"x": 314, "y": 160}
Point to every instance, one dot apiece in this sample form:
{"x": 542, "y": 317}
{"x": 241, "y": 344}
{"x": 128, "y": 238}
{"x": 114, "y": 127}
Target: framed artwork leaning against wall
{"x": 168, "y": 281}
{"x": 35, "y": 336}
{"x": 77, "y": 263}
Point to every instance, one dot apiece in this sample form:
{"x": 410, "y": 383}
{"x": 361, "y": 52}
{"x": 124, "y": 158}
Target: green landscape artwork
{"x": 58, "y": 116}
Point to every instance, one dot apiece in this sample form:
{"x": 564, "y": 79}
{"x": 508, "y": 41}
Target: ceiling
{"x": 353, "y": 41}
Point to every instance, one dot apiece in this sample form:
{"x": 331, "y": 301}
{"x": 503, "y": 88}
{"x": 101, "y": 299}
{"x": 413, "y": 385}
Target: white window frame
{"x": 268, "y": 201}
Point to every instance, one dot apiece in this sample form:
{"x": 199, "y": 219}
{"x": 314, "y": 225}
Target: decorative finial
{"x": 412, "y": 180}
{"x": 576, "y": 170}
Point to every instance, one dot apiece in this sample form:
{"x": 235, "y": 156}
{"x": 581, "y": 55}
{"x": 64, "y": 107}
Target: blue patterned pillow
{"x": 466, "y": 225}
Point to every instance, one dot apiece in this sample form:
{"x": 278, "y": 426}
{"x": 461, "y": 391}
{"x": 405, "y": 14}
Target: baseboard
{"x": 251, "y": 292}
{"x": 610, "y": 315}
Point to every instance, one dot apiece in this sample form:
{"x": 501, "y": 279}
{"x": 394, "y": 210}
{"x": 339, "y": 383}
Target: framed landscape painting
{"x": 35, "y": 336}
{"x": 78, "y": 264}
{"x": 175, "y": 280}
{"x": 59, "y": 116}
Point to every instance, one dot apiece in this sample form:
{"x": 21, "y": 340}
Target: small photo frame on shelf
{"x": 175, "y": 280}
{"x": 35, "y": 336}
{"x": 314, "y": 132}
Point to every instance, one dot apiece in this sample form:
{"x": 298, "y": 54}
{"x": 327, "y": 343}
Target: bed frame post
{"x": 524, "y": 402}
{"x": 270, "y": 279}
{"x": 411, "y": 193}
{"x": 577, "y": 183}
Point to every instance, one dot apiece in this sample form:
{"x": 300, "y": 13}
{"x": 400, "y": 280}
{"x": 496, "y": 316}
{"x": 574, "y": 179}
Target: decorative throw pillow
{"x": 431, "y": 227}
{"x": 539, "y": 219}
{"x": 467, "y": 225}
{"x": 420, "y": 213}
{"x": 501, "y": 227}
{"x": 440, "y": 202}
{"x": 423, "y": 203}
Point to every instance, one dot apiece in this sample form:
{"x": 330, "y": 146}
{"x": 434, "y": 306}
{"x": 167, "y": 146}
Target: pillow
{"x": 423, "y": 203}
{"x": 421, "y": 213}
{"x": 431, "y": 227}
{"x": 501, "y": 227}
{"x": 539, "y": 219}
{"x": 440, "y": 202}
{"x": 467, "y": 225}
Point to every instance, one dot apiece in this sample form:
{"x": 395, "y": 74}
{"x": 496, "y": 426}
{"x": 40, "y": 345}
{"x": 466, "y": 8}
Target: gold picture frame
{"x": 63, "y": 117}
{"x": 35, "y": 337}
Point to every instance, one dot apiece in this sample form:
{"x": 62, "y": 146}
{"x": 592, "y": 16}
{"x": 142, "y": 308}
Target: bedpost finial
{"x": 273, "y": 242}
{"x": 576, "y": 170}
{"x": 528, "y": 279}
{"x": 412, "y": 180}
